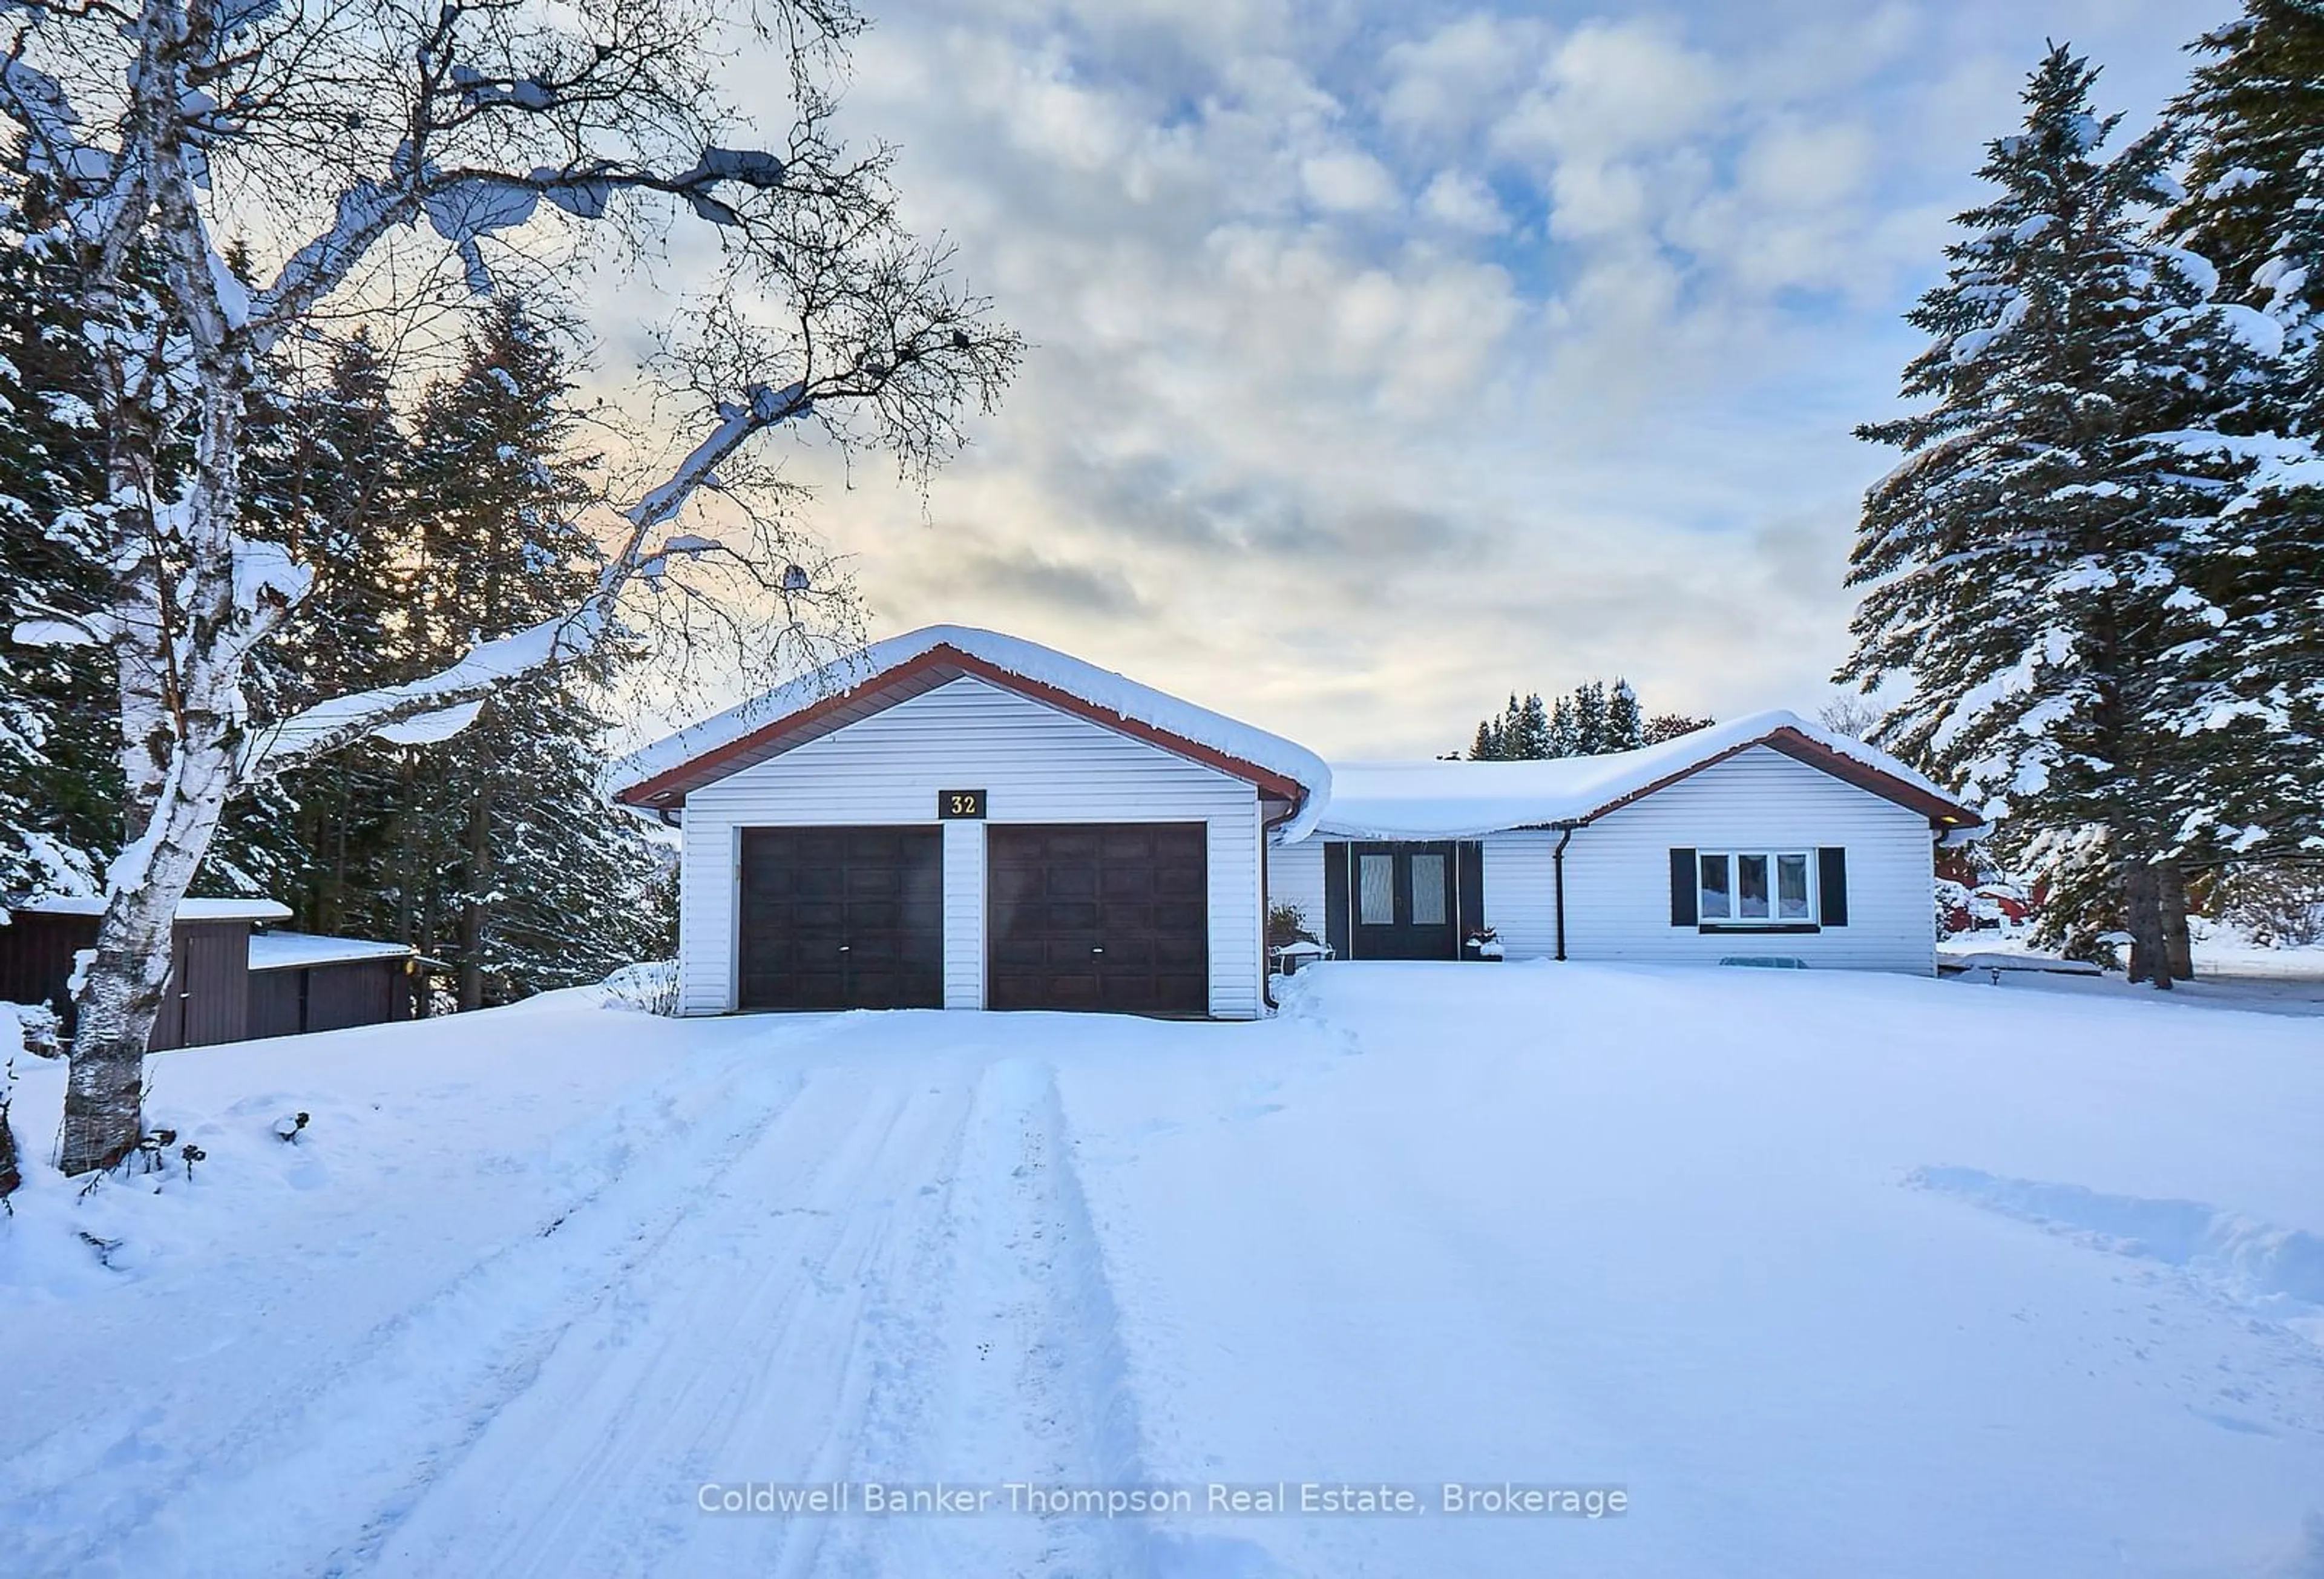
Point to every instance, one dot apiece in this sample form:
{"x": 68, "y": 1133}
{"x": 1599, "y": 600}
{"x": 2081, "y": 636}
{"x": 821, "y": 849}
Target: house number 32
{"x": 952, "y": 803}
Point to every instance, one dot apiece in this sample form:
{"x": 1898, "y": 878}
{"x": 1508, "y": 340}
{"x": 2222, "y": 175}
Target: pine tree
{"x": 533, "y": 880}
{"x": 1626, "y": 728}
{"x": 2253, "y": 118}
{"x": 1589, "y": 718}
{"x": 60, "y": 770}
{"x": 1565, "y": 730}
{"x": 1533, "y": 729}
{"x": 2035, "y": 564}
{"x": 1665, "y": 726}
{"x": 326, "y": 477}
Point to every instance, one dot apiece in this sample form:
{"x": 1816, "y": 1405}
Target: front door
{"x": 1401, "y": 903}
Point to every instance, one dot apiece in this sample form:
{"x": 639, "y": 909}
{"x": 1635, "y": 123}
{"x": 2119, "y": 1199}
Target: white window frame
{"x": 1735, "y": 922}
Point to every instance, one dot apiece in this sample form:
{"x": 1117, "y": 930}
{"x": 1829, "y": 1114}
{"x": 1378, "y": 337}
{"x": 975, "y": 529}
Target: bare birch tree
{"x": 359, "y": 149}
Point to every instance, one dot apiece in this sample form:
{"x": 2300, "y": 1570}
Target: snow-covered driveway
{"x": 1831, "y": 1275}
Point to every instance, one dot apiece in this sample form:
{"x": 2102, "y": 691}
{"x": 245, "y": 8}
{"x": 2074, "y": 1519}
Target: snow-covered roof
{"x": 275, "y": 951}
{"x": 661, "y": 774}
{"x": 187, "y": 909}
{"x": 1461, "y": 799}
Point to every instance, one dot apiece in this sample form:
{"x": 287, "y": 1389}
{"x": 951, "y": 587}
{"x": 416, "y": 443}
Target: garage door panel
{"x": 1108, "y": 916}
{"x": 1123, "y": 881}
{"x": 1083, "y": 918}
{"x": 1066, "y": 883}
{"x": 1188, "y": 885}
{"x": 1182, "y": 955}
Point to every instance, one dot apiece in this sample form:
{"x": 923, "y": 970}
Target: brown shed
{"x": 208, "y": 998}
{"x": 301, "y": 982}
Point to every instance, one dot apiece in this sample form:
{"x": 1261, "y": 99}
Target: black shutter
{"x": 1832, "y": 877}
{"x": 1683, "y": 876}
{"x": 1335, "y": 899}
{"x": 1472, "y": 888}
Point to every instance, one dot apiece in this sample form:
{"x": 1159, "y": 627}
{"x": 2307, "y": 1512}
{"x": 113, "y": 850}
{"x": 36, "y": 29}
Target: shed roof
{"x": 895, "y": 670}
{"x": 1462, "y": 799}
{"x": 187, "y": 909}
{"x": 275, "y": 951}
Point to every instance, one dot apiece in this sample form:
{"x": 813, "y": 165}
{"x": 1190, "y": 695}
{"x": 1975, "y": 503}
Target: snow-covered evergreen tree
{"x": 1665, "y": 726}
{"x": 2253, "y": 123}
{"x": 2252, "y": 117}
{"x": 1565, "y": 730}
{"x": 1486, "y": 747}
{"x": 1531, "y": 729}
{"x": 1626, "y": 728}
{"x": 327, "y": 476}
{"x": 2036, "y": 565}
{"x": 542, "y": 881}
{"x": 1591, "y": 719}
{"x": 60, "y": 803}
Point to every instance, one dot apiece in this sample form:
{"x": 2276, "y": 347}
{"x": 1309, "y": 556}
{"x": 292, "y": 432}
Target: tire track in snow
{"x": 369, "y": 1424}
{"x": 1014, "y": 1371}
{"x": 739, "y": 1359}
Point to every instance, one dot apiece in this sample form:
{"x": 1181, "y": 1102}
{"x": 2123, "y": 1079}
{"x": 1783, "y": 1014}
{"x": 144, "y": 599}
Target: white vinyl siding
{"x": 1521, "y": 893}
{"x": 1617, "y": 871}
{"x": 963, "y": 914}
{"x": 1039, "y": 764}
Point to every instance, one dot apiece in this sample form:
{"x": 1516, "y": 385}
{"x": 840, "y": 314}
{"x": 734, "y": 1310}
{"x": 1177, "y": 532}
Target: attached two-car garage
{"x": 975, "y": 822}
{"x": 1106, "y": 915}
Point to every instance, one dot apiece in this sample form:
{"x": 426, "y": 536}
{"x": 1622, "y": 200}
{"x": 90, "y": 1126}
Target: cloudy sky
{"x": 1386, "y": 357}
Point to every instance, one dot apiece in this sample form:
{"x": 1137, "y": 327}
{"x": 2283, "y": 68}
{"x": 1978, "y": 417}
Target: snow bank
{"x": 1046, "y": 666}
{"x": 1464, "y": 800}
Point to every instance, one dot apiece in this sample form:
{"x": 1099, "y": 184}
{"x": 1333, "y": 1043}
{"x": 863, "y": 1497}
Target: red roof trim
{"x": 915, "y": 676}
{"x": 1815, "y": 754}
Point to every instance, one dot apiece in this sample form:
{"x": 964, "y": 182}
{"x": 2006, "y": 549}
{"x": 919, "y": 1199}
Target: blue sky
{"x": 1388, "y": 357}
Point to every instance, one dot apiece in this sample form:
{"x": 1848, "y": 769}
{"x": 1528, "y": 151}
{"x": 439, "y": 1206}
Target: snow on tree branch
{"x": 340, "y": 722}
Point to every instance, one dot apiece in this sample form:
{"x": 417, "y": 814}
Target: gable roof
{"x": 1462, "y": 801}
{"x": 885, "y": 674}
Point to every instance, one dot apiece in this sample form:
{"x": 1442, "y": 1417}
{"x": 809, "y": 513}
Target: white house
{"x": 964, "y": 820}
{"x": 1765, "y": 838}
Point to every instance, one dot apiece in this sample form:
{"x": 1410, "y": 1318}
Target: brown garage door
{"x": 841, "y": 918}
{"x": 1102, "y": 916}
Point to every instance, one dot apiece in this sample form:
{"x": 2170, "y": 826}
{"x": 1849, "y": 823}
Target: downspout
{"x": 1557, "y": 860}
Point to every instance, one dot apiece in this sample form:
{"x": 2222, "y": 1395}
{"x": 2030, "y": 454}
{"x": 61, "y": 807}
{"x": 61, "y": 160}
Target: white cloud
{"x": 1379, "y": 365}
{"x": 1611, "y": 89}
{"x": 1462, "y": 201}
{"x": 1345, "y": 181}
{"x": 1458, "y": 79}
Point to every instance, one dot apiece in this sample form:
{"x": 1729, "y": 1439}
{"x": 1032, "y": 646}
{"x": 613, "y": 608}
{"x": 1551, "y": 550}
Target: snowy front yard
{"x": 1832, "y": 1275}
